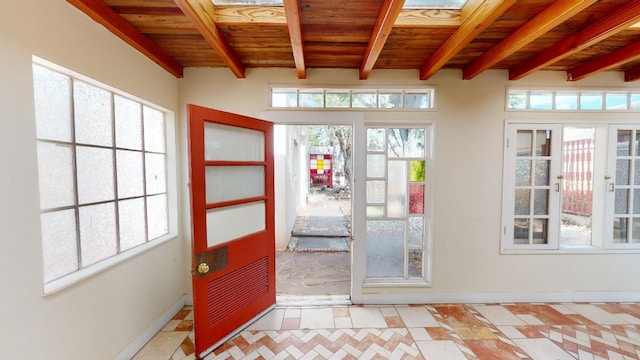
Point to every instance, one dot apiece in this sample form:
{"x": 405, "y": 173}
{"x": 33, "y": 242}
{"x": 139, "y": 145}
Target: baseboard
{"x": 483, "y": 298}
{"x": 132, "y": 349}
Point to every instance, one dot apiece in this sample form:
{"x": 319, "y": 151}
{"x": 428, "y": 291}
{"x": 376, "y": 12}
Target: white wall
{"x": 469, "y": 122}
{"x": 100, "y": 316}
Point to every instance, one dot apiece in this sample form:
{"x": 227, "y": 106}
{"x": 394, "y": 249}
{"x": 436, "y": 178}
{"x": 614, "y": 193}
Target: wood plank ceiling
{"x": 581, "y": 37}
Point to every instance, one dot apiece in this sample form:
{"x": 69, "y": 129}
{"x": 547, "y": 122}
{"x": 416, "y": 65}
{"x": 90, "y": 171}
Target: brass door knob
{"x": 203, "y": 268}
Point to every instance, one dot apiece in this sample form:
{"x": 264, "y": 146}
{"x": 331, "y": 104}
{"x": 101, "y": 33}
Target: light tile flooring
{"x": 554, "y": 331}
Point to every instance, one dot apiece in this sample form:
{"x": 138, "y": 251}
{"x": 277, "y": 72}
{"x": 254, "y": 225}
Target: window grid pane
{"x": 95, "y": 199}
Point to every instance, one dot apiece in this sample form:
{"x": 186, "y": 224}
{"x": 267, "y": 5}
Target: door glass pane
{"x": 95, "y": 174}
{"x": 540, "y": 231}
{"x": 375, "y": 191}
{"x": 375, "y": 139}
{"x": 397, "y": 192}
{"x": 523, "y": 142}
{"x": 415, "y": 263}
{"x": 55, "y": 173}
{"x": 52, "y": 97}
{"x": 523, "y": 202}
{"x": 97, "y": 233}
{"x": 541, "y": 202}
{"x": 406, "y": 142}
{"x": 416, "y": 231}
{"x": 230, "y": 143}
{"x": 416, "y": 198}
{"x": 92, "y": 114}
{"x": 542, "y": 172}
{"x": 523, "y": 172}
{"x": 543, "y": 143}
{"x": 636, "y": 231}
{"x": 636, "y": 172}
{"x": 376, "y": 165}
{"x": 385, "y": 248}
{"x": 622, "y": 201}
{"x": 622, "y": 172}
{"x": 416, "y": 170}
{"x": 59, "y": 244}
{"x": 521, "y": 231}
{"x": 232, "y": 222}
{"x": 620, "y": 230}
{"x": 128, "y": 123}
{"x": 224, "y": 183}
{"x": 577, "y": 184}
{"x": 131, "y": 218}
{"x": 624, "y": 142}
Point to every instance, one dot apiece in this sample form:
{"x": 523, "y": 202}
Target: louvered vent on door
{"x": 242, "y": 287}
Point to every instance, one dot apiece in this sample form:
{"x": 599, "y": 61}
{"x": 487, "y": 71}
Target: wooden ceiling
{"x": 523, "y": 36}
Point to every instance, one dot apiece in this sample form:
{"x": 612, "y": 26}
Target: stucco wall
{"x": 467, "y": 181}
{"x": 100, "y": 316}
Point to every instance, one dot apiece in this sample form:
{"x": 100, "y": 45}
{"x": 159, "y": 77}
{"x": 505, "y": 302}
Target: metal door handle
{"x": 203, "y": 268}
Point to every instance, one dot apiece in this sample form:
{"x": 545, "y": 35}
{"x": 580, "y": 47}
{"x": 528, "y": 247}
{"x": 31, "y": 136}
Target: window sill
{"x": 399, "y": 283}
{"x": 569, "y": 251}
{"x": 58, "y": 285}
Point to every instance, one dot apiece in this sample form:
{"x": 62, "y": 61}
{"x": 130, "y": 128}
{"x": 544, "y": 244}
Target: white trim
{"x": 136, "y": 345}
{"x": 481, "y": 298}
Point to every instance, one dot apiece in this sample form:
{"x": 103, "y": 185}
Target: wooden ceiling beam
{"x": 104, "y": 15}
{"x": 610, "y": 25}
{"x": 379, "y": 35}
{"x": 552, "y": 16}
{"x": 622, "y": 56}
{"x": 484, "y": 14}
{"x": 632, "y": 74}
{"x": 292, "y": 11}
{"x": 202, "y": 14}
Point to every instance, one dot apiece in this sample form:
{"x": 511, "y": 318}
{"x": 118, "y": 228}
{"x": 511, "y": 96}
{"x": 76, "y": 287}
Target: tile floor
{"x": 549, "y": 331}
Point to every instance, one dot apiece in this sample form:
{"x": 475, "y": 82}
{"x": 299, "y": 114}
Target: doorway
{"x": 313, "y": 182}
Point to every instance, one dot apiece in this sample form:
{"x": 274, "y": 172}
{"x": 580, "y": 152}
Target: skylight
{"x": 408, "y": 4}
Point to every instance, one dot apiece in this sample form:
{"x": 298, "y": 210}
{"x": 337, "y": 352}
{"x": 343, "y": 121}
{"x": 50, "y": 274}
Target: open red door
{"x": 232, "y": 210}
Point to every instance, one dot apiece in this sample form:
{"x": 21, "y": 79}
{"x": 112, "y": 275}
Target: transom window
{"x": 360, "y": 98}
{"x": 573, "y": 100}
{"x": 102, "y": 164}
{"x": 571, "y": 187}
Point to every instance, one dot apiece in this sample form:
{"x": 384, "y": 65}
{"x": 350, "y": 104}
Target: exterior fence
{"x": 577, "y": 163}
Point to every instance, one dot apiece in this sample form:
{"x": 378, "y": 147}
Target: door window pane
{"x": 543, "y": 143}
{"x": 523, "y": 172}
{"x": 622, "y": 201}
{"x": 232, "y": 222}
{"x": 624, "y": 142}
{"x": 523, "y": 201}
{"x": 542, "y": 172}
{"x": 375, "y": 139}
{"x": 541, "y": 202}
{"x": 540, "y": 231}
{"x": 415, "y": 263}
{"x": 224, "y": 183}
{"x": 375, "y": 211}
{"x": 416, "y": 231}
{"x": 224, "y": 142}
{"x": 524, "y": 142}
{"x": 521, "y": 231}
{"x": 622, "y": 172}
{"x": 620, "y": 231}
{"x": 416, "y": 170}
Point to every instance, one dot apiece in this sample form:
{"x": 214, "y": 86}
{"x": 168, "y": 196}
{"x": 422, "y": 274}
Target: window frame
{"x": 170, "y": 181}
{"x": 603, "y": 244}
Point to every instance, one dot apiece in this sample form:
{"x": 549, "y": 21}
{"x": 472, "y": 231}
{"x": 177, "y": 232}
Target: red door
{"x": 231, "y": 158}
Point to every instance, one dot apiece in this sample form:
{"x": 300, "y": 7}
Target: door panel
{"x": 232, "y": 199}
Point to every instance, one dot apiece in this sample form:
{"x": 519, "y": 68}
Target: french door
{"x": 232, "y": 209}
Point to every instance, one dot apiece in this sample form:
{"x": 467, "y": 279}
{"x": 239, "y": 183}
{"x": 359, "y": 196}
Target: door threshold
{"x": 286, "y": 300}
